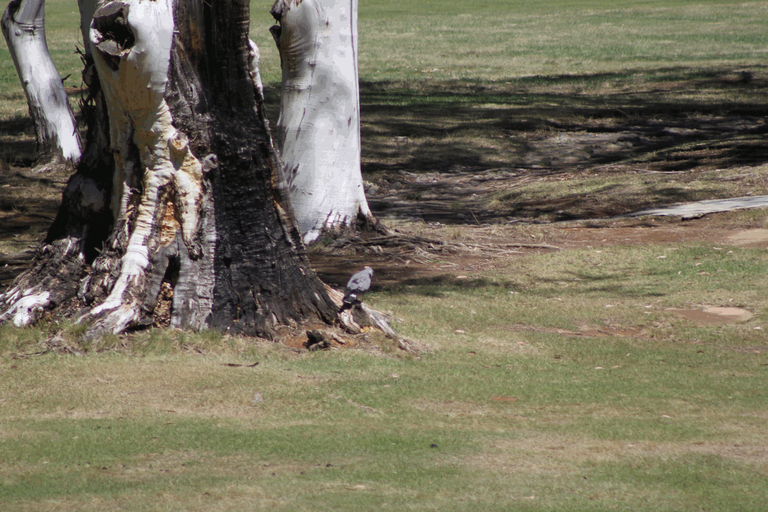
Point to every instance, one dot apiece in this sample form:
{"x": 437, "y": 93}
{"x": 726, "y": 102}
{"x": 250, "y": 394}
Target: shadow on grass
{"x": 584, "y": 284}
{"x": 28, "y": 202}
{"x": 439, "y": 151}
{"x": 460, "y": 152}
{"x": 439, "y": 285}
{"x": 19, "y": 147}
{"x": 580, "y": 284}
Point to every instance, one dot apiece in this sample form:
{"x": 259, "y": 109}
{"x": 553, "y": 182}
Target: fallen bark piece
{"x": 700, "y": 208}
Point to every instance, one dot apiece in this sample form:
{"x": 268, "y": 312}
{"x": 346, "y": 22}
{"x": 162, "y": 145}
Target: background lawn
{"x": 562, "y": 358}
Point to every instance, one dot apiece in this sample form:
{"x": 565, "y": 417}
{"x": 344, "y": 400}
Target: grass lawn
{"x": 560, "y": 382}
{"x": 566, "y": 376}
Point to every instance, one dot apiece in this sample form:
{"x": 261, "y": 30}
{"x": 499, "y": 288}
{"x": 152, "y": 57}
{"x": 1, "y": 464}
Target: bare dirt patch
{"x": 488, "y": 247}
{"x": 750, "y": 237}
{"x": 714, "y": 315}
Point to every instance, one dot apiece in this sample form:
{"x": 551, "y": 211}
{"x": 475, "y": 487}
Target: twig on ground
{"x": 30, "y": 354}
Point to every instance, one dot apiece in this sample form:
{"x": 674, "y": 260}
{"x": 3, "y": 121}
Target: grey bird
{"x": 357, "y": 285}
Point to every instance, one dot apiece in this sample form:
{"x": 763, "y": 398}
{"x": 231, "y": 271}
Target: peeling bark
{"x": 23, "y": 26}
{"x": 319, "y": 124}
{"x": 181, "y": 169}
{"x": 178, "y": 197}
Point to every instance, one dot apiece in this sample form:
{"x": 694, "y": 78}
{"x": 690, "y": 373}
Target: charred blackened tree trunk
{"x": 23, "y": 26}
{"x": 177, "y": 200}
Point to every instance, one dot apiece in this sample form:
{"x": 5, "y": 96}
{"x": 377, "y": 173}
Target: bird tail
{"x": 349, "y": 300}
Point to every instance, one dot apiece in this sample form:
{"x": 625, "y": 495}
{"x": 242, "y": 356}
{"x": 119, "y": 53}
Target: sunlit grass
{"x": 628, "y": 288}
{"x": 559, "y": 381}
{"x": 493, "y": 40}
{"x": 555, "y": 381}
{"x": 502, "y": 40}
{"x": 508, "y": 405}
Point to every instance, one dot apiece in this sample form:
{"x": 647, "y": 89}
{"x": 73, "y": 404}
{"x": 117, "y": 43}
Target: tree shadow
{"x": 461, "y": 152}
{"x": 19, "y": 146}
{"x": 588, "y": 283}
{"x": 442, "y": 152}
{"x": 28, "y": 202}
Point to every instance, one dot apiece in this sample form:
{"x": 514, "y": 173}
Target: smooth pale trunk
{"x": 319, "y": 124}
{"x": 23, "y": 26}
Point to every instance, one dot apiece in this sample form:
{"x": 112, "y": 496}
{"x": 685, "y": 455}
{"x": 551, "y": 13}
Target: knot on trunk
{"x": 110, "y": 32}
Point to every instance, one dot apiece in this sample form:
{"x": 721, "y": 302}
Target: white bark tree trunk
{"x": 23, "y": 25}
{"x": 133, "y": 51}
{"x": 319, "y": 124}
{"x": 181, "y": 203}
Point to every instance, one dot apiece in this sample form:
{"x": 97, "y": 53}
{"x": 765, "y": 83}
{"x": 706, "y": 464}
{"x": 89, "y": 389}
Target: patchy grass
{"x": 497, "y": 41}
{"x": 618, "y": 193}
{"x": 561, "y": 381}
{"x": 547, "y": 379}
{"x": 616, "y": 288}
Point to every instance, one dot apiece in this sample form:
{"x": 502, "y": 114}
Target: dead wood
{"x": 360, "y": 319}
{"x": 395, "y": 244}
{"x": 17, "y": 258}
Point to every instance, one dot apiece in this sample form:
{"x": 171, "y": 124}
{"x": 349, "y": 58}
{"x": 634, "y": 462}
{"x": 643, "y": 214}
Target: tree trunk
{"x": 319, "y": 124}
{"x": 201, "y": 225}
{"x": 23, "y": 26}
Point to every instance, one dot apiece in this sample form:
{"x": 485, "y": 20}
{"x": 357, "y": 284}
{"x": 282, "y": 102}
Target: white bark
{"x": 215, "y": 236}
{"x": 27, "y": 303}
{"x": 26, "y": 308}
{"x": 319, "y": 124}
{"x": 23, "y": 26}
{"x": 132, "y": 64}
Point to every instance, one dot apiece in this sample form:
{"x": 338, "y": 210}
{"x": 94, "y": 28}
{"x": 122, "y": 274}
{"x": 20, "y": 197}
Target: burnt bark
{"x": 181, "y": 192}
{"x": 79, "y": 232}
{"x": 262, "y": 272}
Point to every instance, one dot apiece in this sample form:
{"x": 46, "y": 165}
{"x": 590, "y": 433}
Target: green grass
{"x": 508, "y": 407}
{"x": 491, "y": 40}
{"x": 505, "y": 40}
{"x": 561, "y": 381}
{"x": 62, "y": 28}
{"x": 624, "y": 287}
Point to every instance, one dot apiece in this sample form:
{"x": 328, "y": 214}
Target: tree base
{"x": 364, "y": 226}
{"x": 365, "y": 329}
{"x": 49, "y": 163}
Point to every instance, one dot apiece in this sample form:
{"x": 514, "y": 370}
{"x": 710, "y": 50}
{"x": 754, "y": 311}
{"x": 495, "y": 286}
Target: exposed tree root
{"x": 360, "y": 319}
{"x": 52, "y": 281}
{"x": 175, "y": 202}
